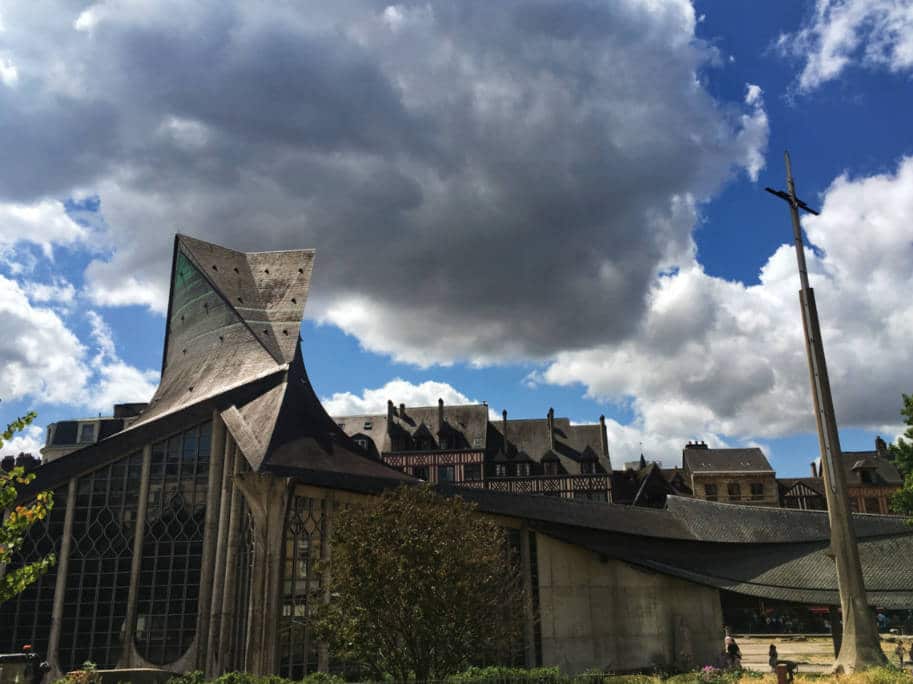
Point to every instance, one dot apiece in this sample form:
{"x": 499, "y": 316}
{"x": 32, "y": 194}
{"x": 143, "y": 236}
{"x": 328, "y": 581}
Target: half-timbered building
{"x": 462, "y": 445}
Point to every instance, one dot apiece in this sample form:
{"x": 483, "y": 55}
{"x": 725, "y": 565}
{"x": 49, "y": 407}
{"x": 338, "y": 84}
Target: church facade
{"x": 190, "y": 538}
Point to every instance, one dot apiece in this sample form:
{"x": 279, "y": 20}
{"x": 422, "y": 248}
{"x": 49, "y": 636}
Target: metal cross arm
{"x": 787, "y": 197}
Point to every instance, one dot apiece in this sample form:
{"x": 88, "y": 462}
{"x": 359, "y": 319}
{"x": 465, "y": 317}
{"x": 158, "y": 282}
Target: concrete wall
{"x": 612, "y": 616}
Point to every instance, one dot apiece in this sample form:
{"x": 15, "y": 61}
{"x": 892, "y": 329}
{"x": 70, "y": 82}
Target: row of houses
{"x": 463, "y": 445}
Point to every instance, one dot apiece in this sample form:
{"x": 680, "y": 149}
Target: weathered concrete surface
{"x": 612, "y": 616}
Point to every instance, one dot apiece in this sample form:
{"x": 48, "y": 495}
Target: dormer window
{"x": 368, "y": 425}
{"x": 587, "y": 468}
{"x": 551, "y": 467}
{"x": 86, "y": 433}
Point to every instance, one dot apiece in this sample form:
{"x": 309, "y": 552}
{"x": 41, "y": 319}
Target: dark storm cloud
{"x": 505, "y": 177}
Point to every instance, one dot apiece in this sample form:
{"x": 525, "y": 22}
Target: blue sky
{"x": 535, "y": 204}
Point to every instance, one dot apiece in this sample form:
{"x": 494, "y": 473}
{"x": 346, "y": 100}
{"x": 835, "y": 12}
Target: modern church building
{"x": 188, "y": 539}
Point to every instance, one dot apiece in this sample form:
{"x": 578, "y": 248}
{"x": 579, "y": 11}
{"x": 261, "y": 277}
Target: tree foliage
{"x": 902, "y": 451}
{"x": 17, "y": 521}
{"x": 421, "y": 586}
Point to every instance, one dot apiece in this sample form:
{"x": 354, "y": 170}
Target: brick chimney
{"x": 402, "y": 410}
{"x": 603, "y": 438}
{"x": 440, "y": 417}
{"x": 551, "y": 428}
{"x": 814, "y": 469}
{"x": 881, "y": 448}
{"x": 390, "y": 411}
{"x": 504, "y": 428}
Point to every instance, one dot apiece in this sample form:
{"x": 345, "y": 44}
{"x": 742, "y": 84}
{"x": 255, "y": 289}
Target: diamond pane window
{"x": 304, "y": 536}
{"x": 98, "y": 574}
{"x": 27, "y": 617}
{"x": 169, "y": 582}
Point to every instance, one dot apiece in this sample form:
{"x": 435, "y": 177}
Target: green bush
{"x": 513, "y": 674}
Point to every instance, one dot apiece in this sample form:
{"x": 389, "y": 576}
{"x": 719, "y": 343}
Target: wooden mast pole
{"x": 861, "y": 646}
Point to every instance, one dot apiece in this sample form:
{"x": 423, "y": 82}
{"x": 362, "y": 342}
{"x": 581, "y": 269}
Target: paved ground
{"x": 814, "y": 654}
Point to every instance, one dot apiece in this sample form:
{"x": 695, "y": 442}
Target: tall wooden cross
{"x": 860, "y": 647}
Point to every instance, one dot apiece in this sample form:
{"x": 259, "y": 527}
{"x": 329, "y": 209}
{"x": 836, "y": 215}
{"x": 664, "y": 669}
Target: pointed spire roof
{"x": 232, "y": 317}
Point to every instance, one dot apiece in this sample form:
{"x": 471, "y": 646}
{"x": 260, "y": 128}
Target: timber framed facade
{"x": 200, "y": 537}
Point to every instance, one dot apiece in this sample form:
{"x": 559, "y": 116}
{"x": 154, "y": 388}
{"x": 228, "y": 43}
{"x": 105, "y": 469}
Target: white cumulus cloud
{"x": 724, "y": 359}
{"x": 872, "y": 33}
{"x": 399, "y": 391}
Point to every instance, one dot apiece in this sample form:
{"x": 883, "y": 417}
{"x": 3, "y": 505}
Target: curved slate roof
{"x": 802, "y": 572}
{"x": 766, "y": 525}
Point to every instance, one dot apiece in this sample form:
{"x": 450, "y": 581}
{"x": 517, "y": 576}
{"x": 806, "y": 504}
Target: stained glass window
{"x": 304, "y": 534}
{"x": 98, "y": 574}
{"x": 169, "y": 581}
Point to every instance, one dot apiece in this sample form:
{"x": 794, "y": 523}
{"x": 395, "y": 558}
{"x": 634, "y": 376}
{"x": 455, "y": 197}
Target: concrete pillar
{"x": 210, "y": 531}
{"x": 214, "y": 645}
{"x": 60, "y": 584}
{"x": 139, "y": 527}
{"x": 267, "y": 497}
{"x": 529, "y": 617}
{"x": 227, "y": 657}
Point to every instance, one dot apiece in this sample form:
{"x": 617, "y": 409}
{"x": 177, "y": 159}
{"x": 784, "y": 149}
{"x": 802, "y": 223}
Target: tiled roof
{"x": 723, "y": 460}
{"x": 882, "y": 471}
{"x": 574, "y": 444}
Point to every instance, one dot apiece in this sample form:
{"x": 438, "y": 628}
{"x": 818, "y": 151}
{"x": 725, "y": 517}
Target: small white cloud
{"x": 9, "y": 75}
{"x": 59, "y": 291}
{"x": 393, "y": 16}
{"x": 399, "y": 391}
{"x": 754, "y": 131}
{"x": 44, "y": 223}
{"x": 89, "y": 18}
{"x": 753, "y": 94}
{"x": 108, "y": 288}
{"x": 184, "y": 132}
{"x": 28, "y": 441}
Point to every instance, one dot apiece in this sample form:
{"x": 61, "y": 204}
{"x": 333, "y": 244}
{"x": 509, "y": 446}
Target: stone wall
{"x": 609, "y": 615}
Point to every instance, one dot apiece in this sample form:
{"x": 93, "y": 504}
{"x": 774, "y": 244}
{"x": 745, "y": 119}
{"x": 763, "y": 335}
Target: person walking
{"x": 734, "y": 653}
{"x": 899, "y": 652}
{"x": 773, "y": 657}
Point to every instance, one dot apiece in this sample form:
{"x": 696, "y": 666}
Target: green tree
{"x": 421, "y": 587}
{"x": 16, "y": 524}
{"x": 902, "y": 451}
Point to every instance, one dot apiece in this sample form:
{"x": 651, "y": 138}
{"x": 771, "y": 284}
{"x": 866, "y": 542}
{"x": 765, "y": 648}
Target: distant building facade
{"x": 66, "y": 436}
{"x": 741, "y": 476}
{"x": 460, "y": 445}
{"x": 871, "y": 479}
{"x": 643, "y": 483}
